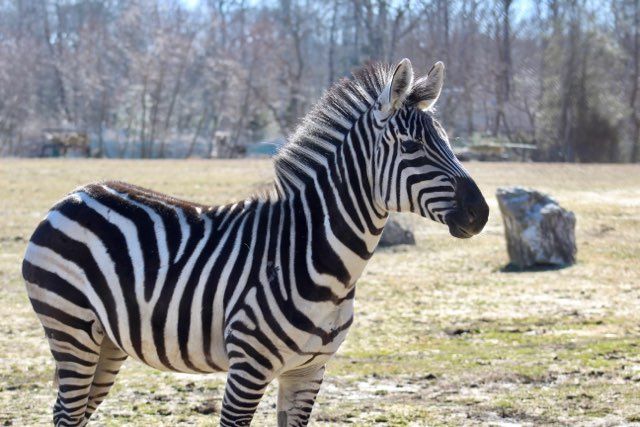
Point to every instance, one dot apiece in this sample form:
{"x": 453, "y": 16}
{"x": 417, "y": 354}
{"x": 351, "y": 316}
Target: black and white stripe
{"x": 262, "y": 288}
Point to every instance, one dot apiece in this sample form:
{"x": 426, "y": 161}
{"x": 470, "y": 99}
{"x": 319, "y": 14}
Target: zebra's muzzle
{"x": 472, "y": 212}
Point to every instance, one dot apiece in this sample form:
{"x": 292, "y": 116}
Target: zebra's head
{"x": 415, "y": 169}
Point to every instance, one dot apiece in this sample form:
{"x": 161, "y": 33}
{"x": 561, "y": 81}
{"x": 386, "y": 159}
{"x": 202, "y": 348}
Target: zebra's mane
{"x": 331, "y": 118}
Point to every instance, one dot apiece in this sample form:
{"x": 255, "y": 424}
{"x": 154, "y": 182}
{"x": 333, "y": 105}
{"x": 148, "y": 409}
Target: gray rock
{"x": 539, "y": 232}
{"x": 396, "y": 233}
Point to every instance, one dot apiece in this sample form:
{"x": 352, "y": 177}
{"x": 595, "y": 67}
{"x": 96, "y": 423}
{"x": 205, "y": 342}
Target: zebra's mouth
{"x": 456, "y": 231}
{"x": 464, "y": 227}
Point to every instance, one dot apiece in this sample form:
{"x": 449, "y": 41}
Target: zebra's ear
{"x": 396, "y": 91}
{"x": 427, "y": 89}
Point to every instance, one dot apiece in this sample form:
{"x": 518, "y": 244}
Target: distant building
{"x": 62, "y": 142}
{"x": 496, "y": 152}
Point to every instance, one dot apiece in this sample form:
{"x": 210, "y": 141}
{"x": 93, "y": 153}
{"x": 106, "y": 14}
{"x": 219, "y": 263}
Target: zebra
{"x": 263, "y": 288}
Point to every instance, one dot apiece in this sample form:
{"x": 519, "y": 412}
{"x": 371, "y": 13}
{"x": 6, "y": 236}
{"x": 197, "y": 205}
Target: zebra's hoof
{"x": 282, "y": 419}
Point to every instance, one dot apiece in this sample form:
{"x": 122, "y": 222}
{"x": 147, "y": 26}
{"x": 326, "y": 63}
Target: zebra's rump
{"x": 134, "y": 258}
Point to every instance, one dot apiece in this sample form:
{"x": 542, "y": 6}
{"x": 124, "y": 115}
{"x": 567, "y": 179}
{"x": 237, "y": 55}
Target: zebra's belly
{"x": 168, "y": 344}
{"x": 314, "y": 354}
{"x": 173, "y": 354}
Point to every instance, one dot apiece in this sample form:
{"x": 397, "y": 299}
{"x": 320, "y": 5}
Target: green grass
{"x": 442, "y": 336}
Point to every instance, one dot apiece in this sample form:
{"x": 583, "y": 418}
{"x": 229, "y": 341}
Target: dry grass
{"x": 442, "y": 336}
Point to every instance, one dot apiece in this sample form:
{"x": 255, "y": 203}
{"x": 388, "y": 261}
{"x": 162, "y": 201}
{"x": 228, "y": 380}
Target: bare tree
{"x": 153, "y": 78}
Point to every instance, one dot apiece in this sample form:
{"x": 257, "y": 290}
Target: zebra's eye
{"x": 410, "y": 146}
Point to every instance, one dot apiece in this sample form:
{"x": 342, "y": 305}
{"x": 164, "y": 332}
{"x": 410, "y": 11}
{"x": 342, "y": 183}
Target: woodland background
{"x": 164, "y": 78}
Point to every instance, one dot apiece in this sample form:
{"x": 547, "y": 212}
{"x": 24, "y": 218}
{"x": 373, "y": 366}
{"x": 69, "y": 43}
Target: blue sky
{"x": 190, "y": 3}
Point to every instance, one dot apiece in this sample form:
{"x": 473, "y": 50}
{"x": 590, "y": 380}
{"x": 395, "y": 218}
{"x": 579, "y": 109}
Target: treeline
{"x": 165, "y": 78}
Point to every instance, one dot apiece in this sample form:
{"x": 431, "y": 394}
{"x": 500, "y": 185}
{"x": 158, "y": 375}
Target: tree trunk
{"x": 143, "y": 102}
{"x": 635, "y": 116}
{"x": 567, "y": 114}
{"x": 332, "y": 43}
{"x": 503, "y": 77}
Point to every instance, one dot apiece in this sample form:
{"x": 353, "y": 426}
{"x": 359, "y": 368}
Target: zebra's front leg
{"x": 250, "y": 372}
{"x": 242, "y": 394}
{"x": 296, "y": 395}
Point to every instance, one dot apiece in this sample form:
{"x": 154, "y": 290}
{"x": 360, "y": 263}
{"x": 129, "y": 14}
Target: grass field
{"x": 442, "y": 335}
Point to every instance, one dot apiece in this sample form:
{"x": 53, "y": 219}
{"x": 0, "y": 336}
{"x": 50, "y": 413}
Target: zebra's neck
{"x": 331, "y": 190}
{"x": 326, "y": 171}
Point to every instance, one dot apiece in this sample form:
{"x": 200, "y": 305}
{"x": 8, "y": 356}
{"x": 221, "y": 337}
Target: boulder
{"x": 539, "y": 232}
{"x": 396, "y": 233}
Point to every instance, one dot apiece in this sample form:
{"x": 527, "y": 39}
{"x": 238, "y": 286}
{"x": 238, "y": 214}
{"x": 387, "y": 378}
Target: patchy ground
{"x": 442, "y": 335}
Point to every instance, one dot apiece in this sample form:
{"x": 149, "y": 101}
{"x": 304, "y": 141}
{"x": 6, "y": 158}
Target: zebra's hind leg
{"x": 297, "y": 392}
{"x": 75, "y": 341}
{"x": 109, "y": 363}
